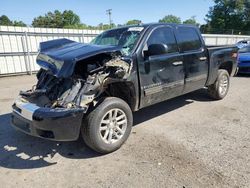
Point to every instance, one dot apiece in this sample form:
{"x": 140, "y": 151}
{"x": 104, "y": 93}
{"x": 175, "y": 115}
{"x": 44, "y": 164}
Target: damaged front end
{"x": 82, "y": 88}
{"x": 67, "y": 88}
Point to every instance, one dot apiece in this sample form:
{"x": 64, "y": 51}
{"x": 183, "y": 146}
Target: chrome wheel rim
{"x": 113, "y": 126}
{"x": 223, "y": 85}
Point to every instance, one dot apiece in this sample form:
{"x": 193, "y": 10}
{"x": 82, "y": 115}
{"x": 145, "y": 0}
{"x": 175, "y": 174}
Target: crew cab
{"x": 91, "y": 90}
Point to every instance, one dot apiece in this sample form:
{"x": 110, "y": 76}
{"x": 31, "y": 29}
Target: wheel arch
{"x": 228, "y": 66}
{"x": 124, "y": 90}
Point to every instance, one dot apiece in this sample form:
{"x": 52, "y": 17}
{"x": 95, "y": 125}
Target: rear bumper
{"x": 52, "y": 124}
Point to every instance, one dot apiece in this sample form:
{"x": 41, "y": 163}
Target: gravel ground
{"x": 190, "y": 141}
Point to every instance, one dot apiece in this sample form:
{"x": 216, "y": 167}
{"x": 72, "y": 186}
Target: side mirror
{"x": 156, "y": 49}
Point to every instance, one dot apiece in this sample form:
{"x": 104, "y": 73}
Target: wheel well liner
{"x": 123, "y": 90}
{"x": 228, "y": 66}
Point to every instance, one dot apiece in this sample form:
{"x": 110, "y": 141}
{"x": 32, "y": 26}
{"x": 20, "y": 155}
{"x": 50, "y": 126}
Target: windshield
{"x": 125, "y": 38}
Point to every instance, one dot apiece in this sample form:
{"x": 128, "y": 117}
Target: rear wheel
{"x": 108, "y": 126}
{"x": 220, "y": 88}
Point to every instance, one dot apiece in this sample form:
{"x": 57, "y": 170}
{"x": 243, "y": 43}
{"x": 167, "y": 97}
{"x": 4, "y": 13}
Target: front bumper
{"x": 54, "y": 124}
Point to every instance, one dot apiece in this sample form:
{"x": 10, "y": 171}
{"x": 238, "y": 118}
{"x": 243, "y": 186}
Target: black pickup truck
{"x": 92, "y": 89}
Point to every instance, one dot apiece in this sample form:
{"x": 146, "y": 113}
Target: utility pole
{"x": 109, "y": 13}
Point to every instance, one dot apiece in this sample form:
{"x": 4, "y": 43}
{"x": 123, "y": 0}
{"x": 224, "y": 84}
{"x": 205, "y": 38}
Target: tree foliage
{"x": 70, "y": 18}
{"x": 228, "y": 16}
{"x": 191, "y": 21}
{"x": 57, "y": 19}
{"x": 19, "y": 23}
{"x": 103, "y": 26}
{"x": 170, "y": 19}
{"x": 4, "y": 20}
{"x": 134, "y": 22}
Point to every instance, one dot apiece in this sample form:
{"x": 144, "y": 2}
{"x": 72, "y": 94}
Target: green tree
{"x": 191, "y": 21}
{"x": 205, "y": 28}
{"x": 56, "y": 19}
{"x": 70, "y": 18}
{"x": 247, "y": 17}
{"x": 50, "y": 19}
{"x": 19, "y": 23}
{"x": 134, "y": 22}
{"x": 4, "y": 20}
{"x": 170, "y": 19}
{"x": 41, "y": 21}
{"x": 103, "y": 26}
{"x": 227, "y": 16}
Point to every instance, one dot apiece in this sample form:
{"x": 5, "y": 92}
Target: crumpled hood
{"x": 61, "y": 55}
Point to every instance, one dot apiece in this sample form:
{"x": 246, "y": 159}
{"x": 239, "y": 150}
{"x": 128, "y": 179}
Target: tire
{"x": 220, "y": 88}
{"x": 101, "y": 121}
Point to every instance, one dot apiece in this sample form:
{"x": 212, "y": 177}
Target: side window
{"x": 189, "y": 39}
{"x": 164, "y": 35}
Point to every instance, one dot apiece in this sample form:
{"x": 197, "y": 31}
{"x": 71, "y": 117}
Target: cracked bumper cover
{"x": 53, "y": 124}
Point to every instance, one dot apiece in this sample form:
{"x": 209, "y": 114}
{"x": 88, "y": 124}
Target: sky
{"x": 94, "y": 12}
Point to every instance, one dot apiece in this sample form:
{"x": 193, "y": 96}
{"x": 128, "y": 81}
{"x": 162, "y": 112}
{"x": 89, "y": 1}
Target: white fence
{"x": 212, "y": 39}
{"x": 18, "y": 45}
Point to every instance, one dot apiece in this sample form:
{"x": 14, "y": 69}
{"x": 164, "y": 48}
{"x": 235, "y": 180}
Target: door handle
{"x": 177, "y": 63}
{"x": 203, "y": 58}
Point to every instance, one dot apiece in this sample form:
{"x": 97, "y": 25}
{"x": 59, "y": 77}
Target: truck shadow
{"x": 150, "y": 112}
{"x": 21, "y": 151}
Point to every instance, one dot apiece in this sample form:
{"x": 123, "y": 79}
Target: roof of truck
{"x": 154, "y": 24}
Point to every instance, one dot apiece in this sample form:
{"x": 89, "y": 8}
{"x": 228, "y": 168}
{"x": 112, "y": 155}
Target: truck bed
{"x": 224, "y": 53}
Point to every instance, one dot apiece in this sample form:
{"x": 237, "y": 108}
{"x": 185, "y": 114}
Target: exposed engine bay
{"x": 89, "y": 80}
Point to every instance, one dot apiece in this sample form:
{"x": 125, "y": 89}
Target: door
{"x": 161, "y": 75}
{"x": 194, "y": 57}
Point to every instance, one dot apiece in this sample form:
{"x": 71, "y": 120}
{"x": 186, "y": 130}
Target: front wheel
{"x": 108, "y": 126}
{"x": 220, "y": 88}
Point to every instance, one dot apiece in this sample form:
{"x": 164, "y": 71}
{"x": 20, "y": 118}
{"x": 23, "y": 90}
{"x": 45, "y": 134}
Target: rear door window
{"x": 189, "y": 39}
